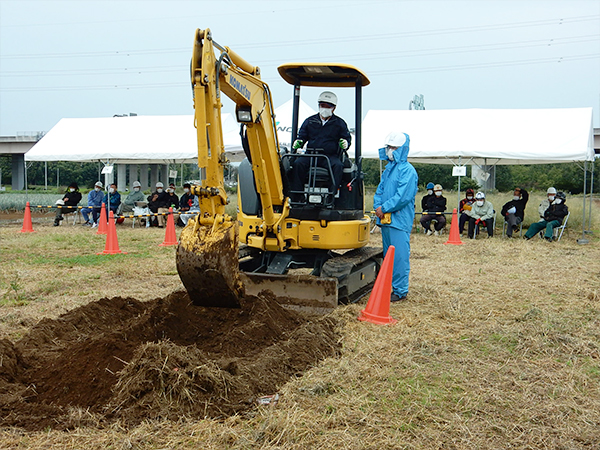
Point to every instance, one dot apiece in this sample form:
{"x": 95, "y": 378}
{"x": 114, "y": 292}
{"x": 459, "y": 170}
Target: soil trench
{"x": 122, "y": 359}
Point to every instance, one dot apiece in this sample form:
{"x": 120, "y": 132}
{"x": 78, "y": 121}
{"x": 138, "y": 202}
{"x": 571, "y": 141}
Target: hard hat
{"x": 328, "y": 97}
{"x": 561, "y": 195}
{"x": 137, "y": 184}
{"x": 395, "y": 139}
{"x": 429, "y": 185}
{"x": 480, "y": 196}
{"x": 551, "y": 190}
{"x": 470, "y": 191}
{"x": 99, "y": 184}
{"x": 159, "y": 184}
{"x": 438, "y": 187}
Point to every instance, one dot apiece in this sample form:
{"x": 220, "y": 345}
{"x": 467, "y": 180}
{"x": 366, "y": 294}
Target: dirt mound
{"x": 120, "y": 358}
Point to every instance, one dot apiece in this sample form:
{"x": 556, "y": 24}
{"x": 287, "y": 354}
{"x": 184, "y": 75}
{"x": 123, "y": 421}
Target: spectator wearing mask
{"x": 481, "y": 214}
{"x": 95, "y": 197}
{"x": 136, "y": 195}
{"x": 157, "y": 202}
{"x": 550, "y": 196}
{"x": 513, "y": 211}
{"x": 464, "y": 206}
{"x": 553, "y": 218}
{"x": 429, "y": 194}
{"x": 186, "y": 201}
{"x": 435, "y": 204}
{"x": 112, "y": 200}
{"x": 71, "y": 198}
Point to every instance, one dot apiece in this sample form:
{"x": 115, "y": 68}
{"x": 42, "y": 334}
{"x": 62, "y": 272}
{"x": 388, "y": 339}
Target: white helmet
{"x": 480, "y": 196}
{"x": 328, "y": 97}
{"x": 551, "y": 190}
{"x": 99, "y": 184}
{"x": 159, "y": 184}
{"x": 395, "y": 139}
{"x": 137, "y": 184}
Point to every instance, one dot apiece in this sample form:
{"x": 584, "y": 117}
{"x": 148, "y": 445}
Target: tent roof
{"x": 129, "y": 140}
{"x": 486, "y": 136}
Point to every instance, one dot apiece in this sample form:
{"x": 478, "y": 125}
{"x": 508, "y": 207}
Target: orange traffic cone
{"x": 170, "y": 235}
{"x": 112, "y": 243}
{"x": 102, "y": 222}
{"x": 27, "y": 225}
{"x": 454, "y": 237}
{"x": 378, "y": 306}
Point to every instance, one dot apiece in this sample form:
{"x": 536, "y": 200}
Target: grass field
{"x": 498, "y": 346}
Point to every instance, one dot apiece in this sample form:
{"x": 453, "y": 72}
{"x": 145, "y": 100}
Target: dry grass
{"x": 498, "y": 346}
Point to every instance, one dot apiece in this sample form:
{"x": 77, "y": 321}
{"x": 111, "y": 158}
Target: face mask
{"x": 170, "y": 191}
{"x": 325, "y": 112}
{"x": 479, "y": 202}
{"x": 389, "y": 153}
{"x": 136, "y": 189}
{"x": 97, "y": 188}
{"x": 438, "y": 193}
{"x": 186, "y": 190}
{"x": 111, "y": 190}
{"x": 558, "y": 201}
{"x": 71, "y": 190}
{"x": 516, "y": 197}
{"x": 469, "y": 197}
{"x": 159, "y": 190}
{"x": 429, "y": 191}
{"x": 551, "y": 197}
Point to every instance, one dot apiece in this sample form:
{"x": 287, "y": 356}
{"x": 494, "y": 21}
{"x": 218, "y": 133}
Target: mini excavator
{"x": 310, "y": 253}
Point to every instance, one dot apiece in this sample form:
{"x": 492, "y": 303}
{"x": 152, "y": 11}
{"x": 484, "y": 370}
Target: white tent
{"x": 283, "y": 117}
{"x": 486, "y": 136}
{"x": 129, "y": 140}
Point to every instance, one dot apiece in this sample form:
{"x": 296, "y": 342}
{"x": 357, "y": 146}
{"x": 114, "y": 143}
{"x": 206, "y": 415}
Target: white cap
{"x": 395, "y": 139}
{"x": 328, "y": 97}
{"x": 551, "y": 190}
{"x": 159, "y": 184}
{"x": 137, "y": 184}
{"x": 438, "y": 187}
{"x": 99, "y": 184}
{"x": 480, "y": 196}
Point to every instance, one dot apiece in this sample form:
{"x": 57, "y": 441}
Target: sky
{"x": 72, "y": 59}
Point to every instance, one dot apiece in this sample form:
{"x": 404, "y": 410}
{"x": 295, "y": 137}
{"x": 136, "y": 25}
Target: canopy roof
{"x": 129, "y": 140}
{"x": 485, "y": 136}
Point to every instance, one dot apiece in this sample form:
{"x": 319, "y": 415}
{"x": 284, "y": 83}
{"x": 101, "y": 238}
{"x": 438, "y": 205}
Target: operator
{"x": 324, "y": 132}
{"x": 396, "y": 195}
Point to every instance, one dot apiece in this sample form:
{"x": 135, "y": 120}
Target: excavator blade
{"x": 207, "y": 262}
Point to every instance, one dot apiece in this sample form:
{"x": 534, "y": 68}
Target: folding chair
{"x": 140, "y": 210}
{"x": 476, "y": 231}
{"x": 76, "y": 215}
{"x": 559, "y": 230}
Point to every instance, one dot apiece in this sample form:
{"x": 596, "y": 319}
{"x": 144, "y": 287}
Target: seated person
{"x": 435, "y": 204}
{"x": 550, "y": 196}
{"x": 429, "y": 194}
{"x": 136, "y": 195}
{"x": 514, "y": 210}
{"x": 158, "y": 200}
{"x": 186, "y": 201}
{"x": 463, "y": 207}
{"x": 481, "y": 213}
{"x": 95, "y": 197}
{"x": 172, "y": 201}
{"x": 553, "y": 218}
{"x": 195, "y": 207}
{"x": 71, "y": 198}
{"x": 326, "y": 132}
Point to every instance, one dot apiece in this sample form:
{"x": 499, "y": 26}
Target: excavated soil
{"x": 122, "y": 359}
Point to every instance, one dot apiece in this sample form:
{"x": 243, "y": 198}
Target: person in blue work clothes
{"x": 327, "y": 134}
{"x": 395, "y": 196}
{"x": 94, "y": 205}
{"x": 112, "y": 200}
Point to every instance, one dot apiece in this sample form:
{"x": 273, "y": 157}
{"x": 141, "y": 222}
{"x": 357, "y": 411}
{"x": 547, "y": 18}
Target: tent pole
{"x": 45, "y": 175}
{"x": 589, "y": 227}
{"x": 583, "y": 240}
{"x": 458, "y": 193}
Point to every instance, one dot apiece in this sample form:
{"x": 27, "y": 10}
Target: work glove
{"x": 483, "y": 223}
{"x": 477, "y": 221}
{"x": 297, "y": 144}
{"x": 343, "y": 144}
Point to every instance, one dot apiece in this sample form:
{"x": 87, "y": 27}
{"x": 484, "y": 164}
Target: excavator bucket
{"x": 207, "y": 262}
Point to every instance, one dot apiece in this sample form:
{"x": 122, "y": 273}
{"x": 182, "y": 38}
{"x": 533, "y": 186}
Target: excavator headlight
{"x": 244, "y": 115}
{"x": 314, "y": 199}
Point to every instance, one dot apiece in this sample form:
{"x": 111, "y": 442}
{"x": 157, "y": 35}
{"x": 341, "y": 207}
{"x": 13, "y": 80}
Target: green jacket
{"x": 134, "y": 197}
{"x": 481, "y": 212}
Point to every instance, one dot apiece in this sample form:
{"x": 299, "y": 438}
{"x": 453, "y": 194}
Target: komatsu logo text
{"x": 241, "y": 88}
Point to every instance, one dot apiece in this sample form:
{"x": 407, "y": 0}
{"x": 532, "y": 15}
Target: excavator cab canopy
{"x": 322, "y": 74}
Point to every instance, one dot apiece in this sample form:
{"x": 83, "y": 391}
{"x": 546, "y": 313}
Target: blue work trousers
{"x": 401, "y": 241}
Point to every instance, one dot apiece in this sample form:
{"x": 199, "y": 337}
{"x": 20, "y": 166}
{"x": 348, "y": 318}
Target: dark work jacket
{"x": 72, "y": 198}
{"x": 518, "y": 204}
{"x": 556, "y": 212}
{"x": 186, "y": 201}
{"x": 161, "y": 202}
{"x": 325, "y": 136}
{"x": 436, "y": 204}
{"x": 424, "y": 201}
